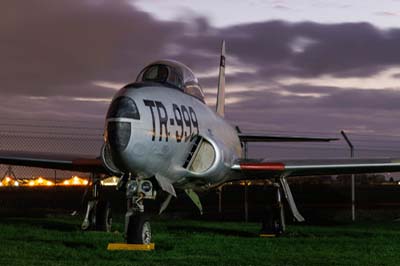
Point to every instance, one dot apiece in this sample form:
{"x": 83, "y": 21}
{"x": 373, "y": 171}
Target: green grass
{"x": 58, "y": 241}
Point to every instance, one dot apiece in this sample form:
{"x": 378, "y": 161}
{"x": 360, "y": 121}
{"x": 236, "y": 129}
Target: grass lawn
{"x": 59, "y": 241}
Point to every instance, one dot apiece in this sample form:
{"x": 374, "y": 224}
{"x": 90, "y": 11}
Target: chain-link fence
{"x": 55, "y": 139}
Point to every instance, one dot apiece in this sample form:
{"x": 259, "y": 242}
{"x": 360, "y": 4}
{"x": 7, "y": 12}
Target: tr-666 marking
{"x": 184, "y": 117}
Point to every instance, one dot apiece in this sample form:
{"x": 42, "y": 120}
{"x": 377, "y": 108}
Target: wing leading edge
{"x": 79, "y": 163}
{"x": 270, "y": 169}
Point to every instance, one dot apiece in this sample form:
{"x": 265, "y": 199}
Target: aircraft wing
{"x": 269, "y": 138}
{"x": 53, "y": 161}
{"x": 270, "y": 169}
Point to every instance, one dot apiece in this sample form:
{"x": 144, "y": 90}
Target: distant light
{"x": 110, "y": 181}
{"x": 76, "y": 181}
{"x": 66, "y": 182}
{"x": 16, "y": 183}
{"x": 40, "y": 180}
{"x": 31, "y": 183}
{"x": 1, "y": 184}
{"x": 7, "y": 179}
{"x": 49, "y": 183}
{"x": 85, "y": 182}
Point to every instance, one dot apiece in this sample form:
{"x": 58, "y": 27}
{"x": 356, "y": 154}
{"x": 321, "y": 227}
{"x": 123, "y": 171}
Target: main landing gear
{"x": 273, "y": 223}
{"x": 98, "y": 212}
{"x": 137, "y": 223}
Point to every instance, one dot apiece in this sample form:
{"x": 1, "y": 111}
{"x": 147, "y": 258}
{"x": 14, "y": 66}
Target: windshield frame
{"x": 179, "y": 76}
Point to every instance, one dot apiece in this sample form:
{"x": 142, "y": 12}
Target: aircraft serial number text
{"x": 184, "y": 117}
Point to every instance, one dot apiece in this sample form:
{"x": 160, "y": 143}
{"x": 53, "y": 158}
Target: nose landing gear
{"x": 137, "y": 222}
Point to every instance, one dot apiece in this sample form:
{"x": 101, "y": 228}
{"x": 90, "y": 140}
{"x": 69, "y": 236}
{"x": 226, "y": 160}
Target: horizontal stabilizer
{"x": 269, "y": 138}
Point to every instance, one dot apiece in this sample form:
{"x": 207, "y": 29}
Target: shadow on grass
{"x": 333, "y": 234}
{"x": 54, "y": 242}
{"x": 202, "y": 229}
{"x": 44, "y": 223}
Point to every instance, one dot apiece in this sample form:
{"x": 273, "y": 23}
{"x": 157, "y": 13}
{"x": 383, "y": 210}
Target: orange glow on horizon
{"x": 41, "y": 181}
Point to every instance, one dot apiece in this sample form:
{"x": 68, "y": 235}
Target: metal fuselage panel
{"x": 161, "y": 140}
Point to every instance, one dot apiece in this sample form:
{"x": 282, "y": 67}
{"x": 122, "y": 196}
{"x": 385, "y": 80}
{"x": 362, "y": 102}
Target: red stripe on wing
{"x": 263, "y": 166}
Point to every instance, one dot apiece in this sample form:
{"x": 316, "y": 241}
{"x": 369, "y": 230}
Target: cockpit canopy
{"x": 172, "y": 74}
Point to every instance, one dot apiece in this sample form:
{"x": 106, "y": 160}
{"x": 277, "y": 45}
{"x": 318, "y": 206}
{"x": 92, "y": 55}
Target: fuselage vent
{"x": 195, "y": 145}
{"x": 201, "y": 157}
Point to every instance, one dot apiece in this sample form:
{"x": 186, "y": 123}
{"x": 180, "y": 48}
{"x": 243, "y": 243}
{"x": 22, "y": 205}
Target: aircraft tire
{"x": 139, "y": 229}
{"x": 273, "y": 221}
{"x": 103, "y": 216}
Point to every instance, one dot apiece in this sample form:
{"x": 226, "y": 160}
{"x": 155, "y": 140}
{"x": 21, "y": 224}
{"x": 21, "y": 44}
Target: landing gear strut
{"x": 274, "y": 217}
{"x": 137, "y": 224}
{"x": 98, "y": 212}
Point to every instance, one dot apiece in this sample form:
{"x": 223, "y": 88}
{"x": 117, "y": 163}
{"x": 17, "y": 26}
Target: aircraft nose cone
{"x": 118, "y": 134}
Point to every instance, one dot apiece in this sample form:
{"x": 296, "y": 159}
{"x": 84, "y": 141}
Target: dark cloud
{"x": 52, "y": 108}
{"x": 346, "y": 98}
{"x": 60, "y": 47}
{"x": 348, "y": 49}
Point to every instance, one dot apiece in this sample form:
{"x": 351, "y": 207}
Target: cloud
{"x": 67, "y": 46}
{"x": 281, "y": 7}
{"x": 387, "y": 14}
{"x": 348, "y": 49}
{"x": 58, "y": 48}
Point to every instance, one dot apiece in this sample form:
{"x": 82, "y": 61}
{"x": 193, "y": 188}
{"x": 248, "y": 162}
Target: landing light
{"x": 110, "y": 181}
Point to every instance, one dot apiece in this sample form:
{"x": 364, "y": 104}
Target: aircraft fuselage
{"x": 161, "y": 141}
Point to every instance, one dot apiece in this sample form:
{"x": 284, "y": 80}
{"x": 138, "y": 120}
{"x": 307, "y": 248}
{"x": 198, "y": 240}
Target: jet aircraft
{"x": 160, "y": 135}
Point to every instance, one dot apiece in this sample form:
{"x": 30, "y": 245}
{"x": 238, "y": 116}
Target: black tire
{"x": 273, "y": 221}
{"x": 267, "y": 223}
{"x": 103, "y": 216}
{"x": 139, "y": 229}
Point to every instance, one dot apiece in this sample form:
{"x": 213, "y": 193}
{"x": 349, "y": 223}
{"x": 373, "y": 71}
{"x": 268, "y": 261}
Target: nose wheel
{"x": 138, "y": 229}
{"x": 137, "y": 222}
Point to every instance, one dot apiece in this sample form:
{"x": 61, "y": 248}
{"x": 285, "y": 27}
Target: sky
{"x": 293, "y": 67}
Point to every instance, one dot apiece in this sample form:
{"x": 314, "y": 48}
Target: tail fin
{"x": 221, "y": 83}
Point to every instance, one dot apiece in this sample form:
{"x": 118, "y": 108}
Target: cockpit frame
{"x": 172, "y": 74}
